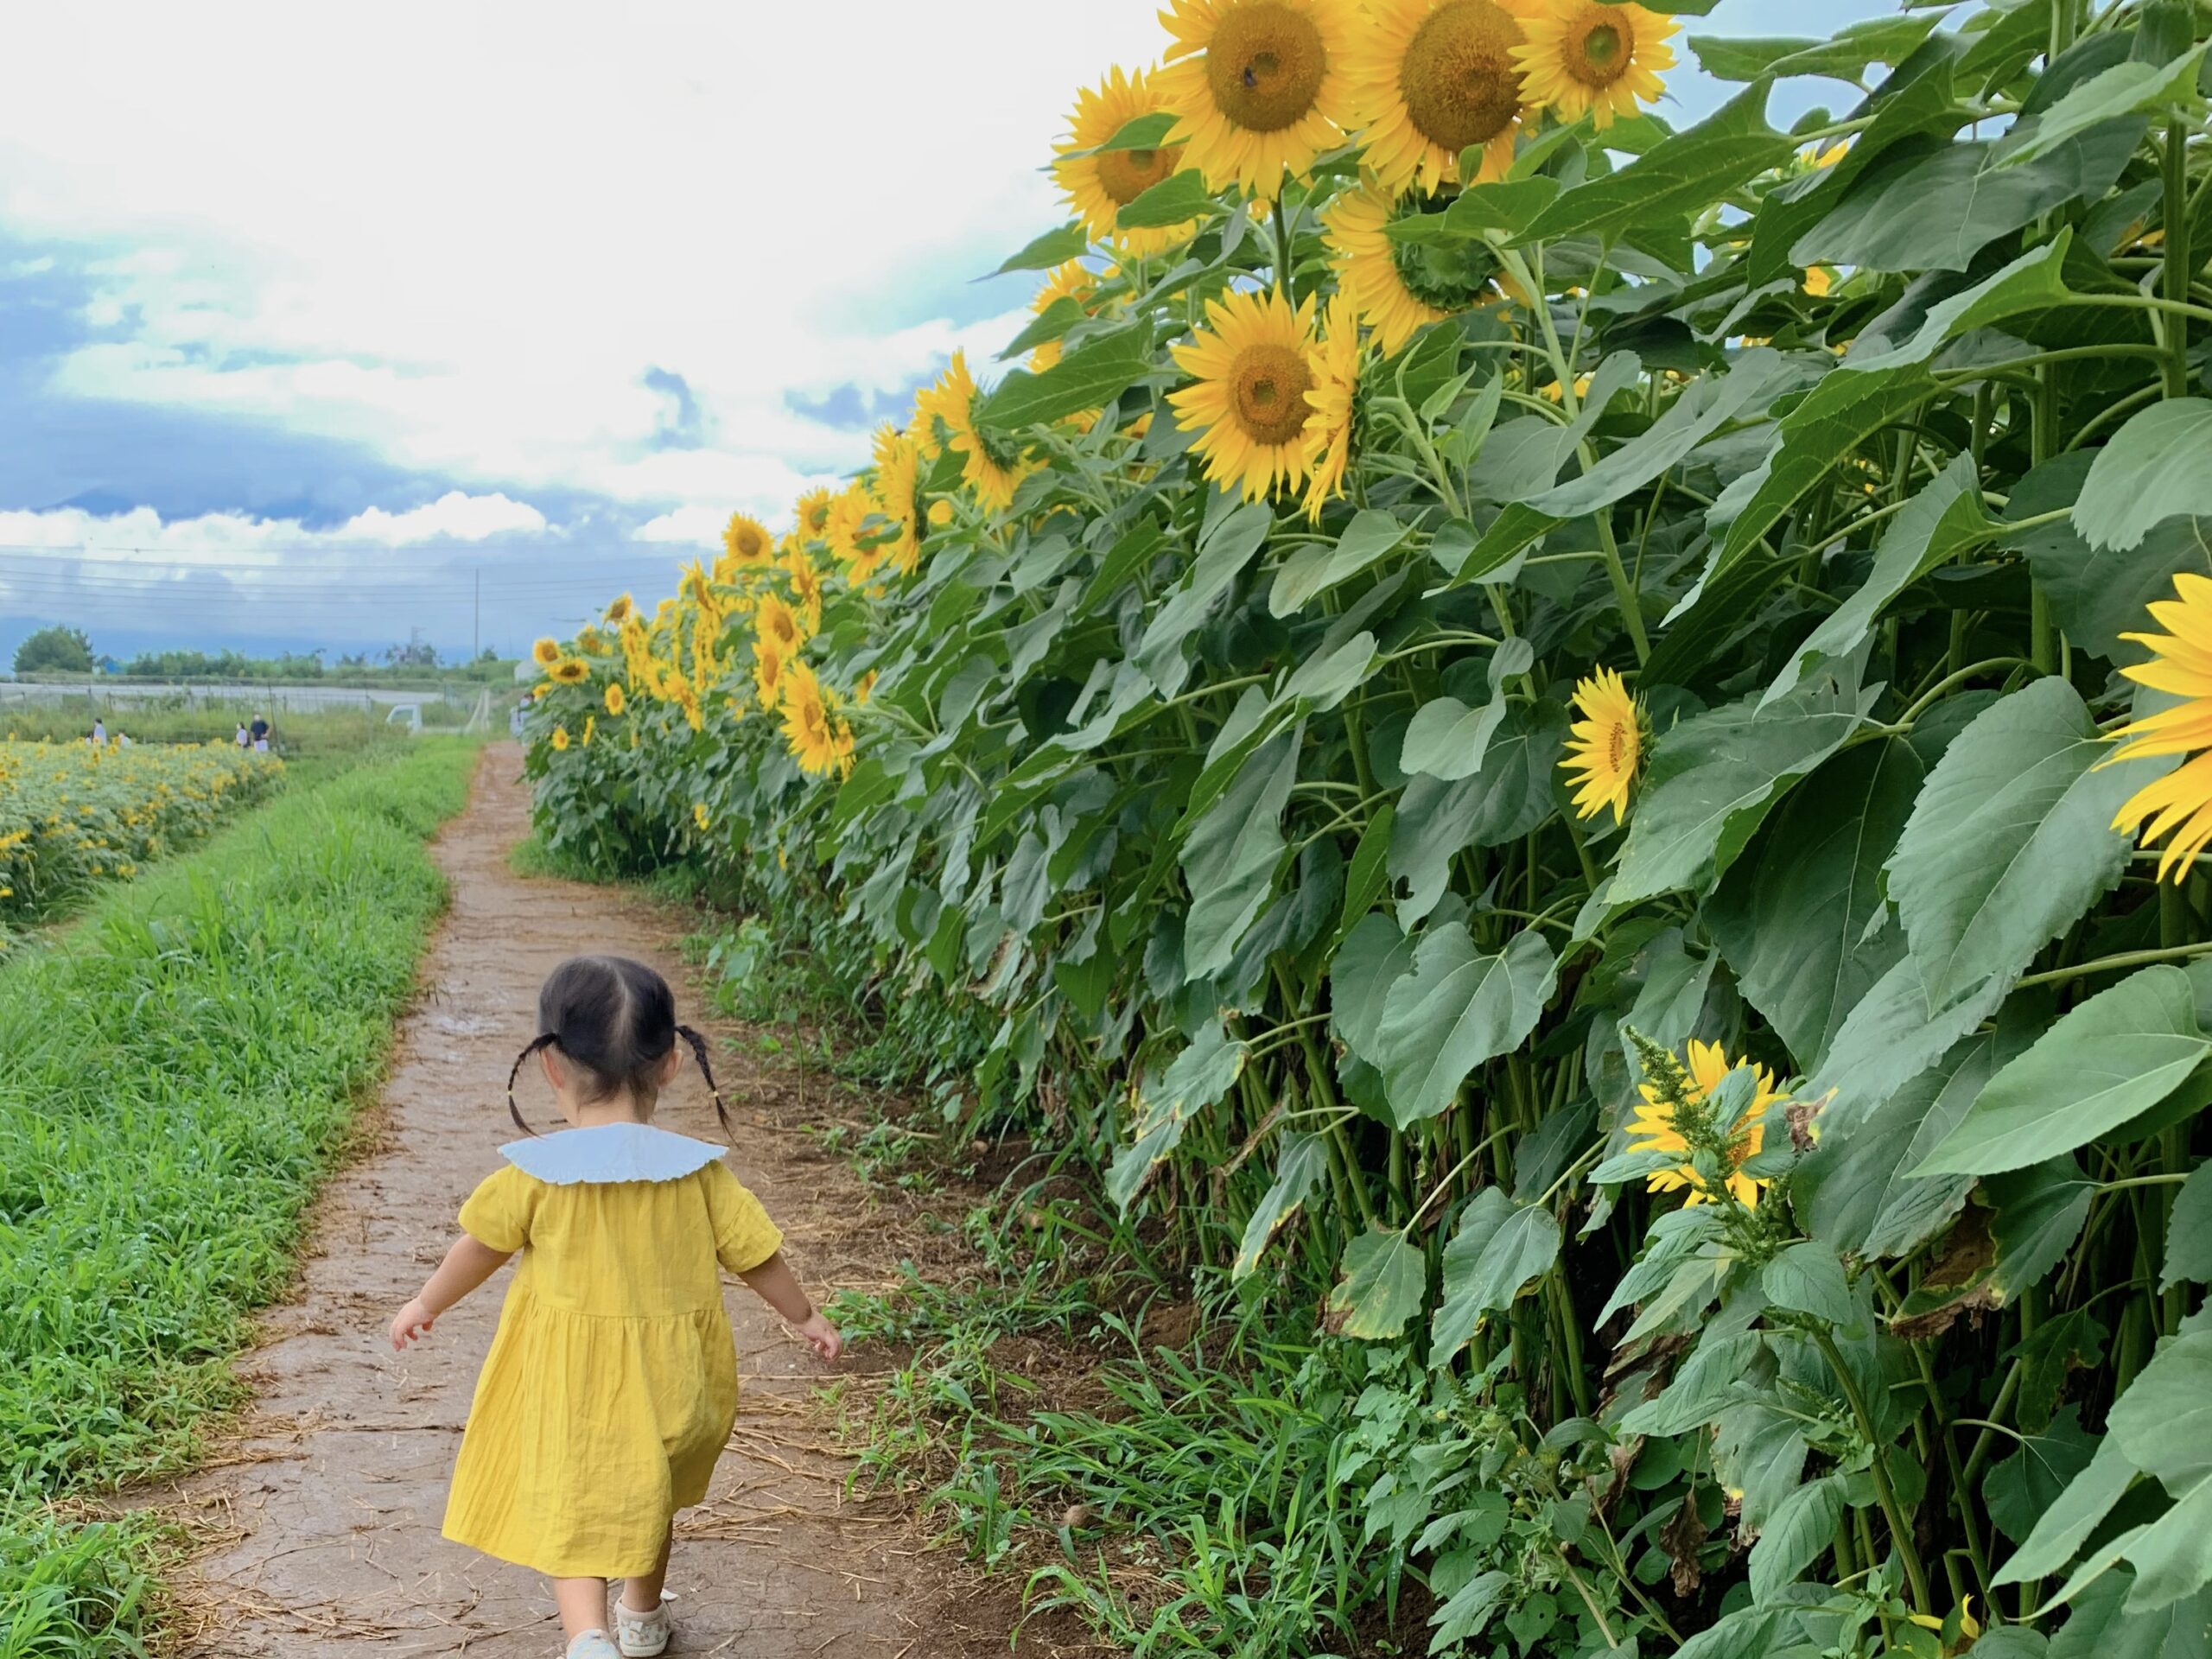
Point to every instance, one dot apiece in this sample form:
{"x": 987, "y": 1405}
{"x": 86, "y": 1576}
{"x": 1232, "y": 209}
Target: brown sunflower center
{"x": 1125, "y": 175}
{"x": 1265, "y": 65}
{"x": 750, "y": 544}
{"x": 1619, "y": 752}
{"x": 1270, "y": 383}
{"x": 1600, "y": 52}
{"x": 1458, "y": 75}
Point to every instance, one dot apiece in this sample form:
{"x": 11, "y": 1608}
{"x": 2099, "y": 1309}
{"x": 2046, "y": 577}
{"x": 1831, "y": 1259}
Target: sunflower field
{"x": 75, "y": 814}
{"x": 1579, "y": 753}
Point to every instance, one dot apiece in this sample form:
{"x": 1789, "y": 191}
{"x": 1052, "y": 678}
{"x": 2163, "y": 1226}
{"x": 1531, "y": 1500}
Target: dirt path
{"x": 325, "y": 1515}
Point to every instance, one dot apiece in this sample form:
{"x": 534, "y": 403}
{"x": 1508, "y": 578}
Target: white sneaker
{"x": 594, "y": 1644}
{"x": 643, "y": 1634}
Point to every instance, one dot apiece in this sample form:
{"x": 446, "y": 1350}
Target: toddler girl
{"x": 611, "y": 1384}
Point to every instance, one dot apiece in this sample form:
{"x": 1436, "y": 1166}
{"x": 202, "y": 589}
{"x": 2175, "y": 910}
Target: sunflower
{"x": 779, "y": 624}
{"x": 1335, "y": 365}
{"x": 570, "y": 670}
{"x": 768, "y": 665}
{"x": 1070, "y": 282}
{"x": 1607, "y": 745}
{"x": 897, "y": 479}
{"x": 615, "y": 698}
{"x": 591, "y": 643}
{"x": 618, "y": 612}
{"x": 806, "y": 589}
{"x": 1400, "y": 287}
{"x": 1098, "y": 186}
{"x": 1819, "y": 280}
{"x": 1259, "y": 87}
{"x": 1437, "y": 77}
{"x": 545, "y": 653}
{"x": 700, "y": 816}
{"x": 746, "y": 543}
{"x": 1252, "y": 374}
{"x": 591, "y": 725}
{"x": 2178, "y": 805}
{"x": 991, "y": 466}
{"x": 811, "y": 514}
{"x": 686, "y": 697}
{"x": 1585, "y": 58}
{"x": 847, "y": 534}
{"x": 560, "y": 737}
{"x": 821, "y": 742}
{"x": 1654, "y": 1125}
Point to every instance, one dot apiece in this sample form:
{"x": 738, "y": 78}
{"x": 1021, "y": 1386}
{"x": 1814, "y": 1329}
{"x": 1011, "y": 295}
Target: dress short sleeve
{"x": 498, "y": 1213}
{"x": 744, "y": 1236}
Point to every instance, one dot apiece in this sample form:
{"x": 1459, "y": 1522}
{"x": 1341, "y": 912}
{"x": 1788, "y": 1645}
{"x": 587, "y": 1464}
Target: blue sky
{"x": 310, "y": 335}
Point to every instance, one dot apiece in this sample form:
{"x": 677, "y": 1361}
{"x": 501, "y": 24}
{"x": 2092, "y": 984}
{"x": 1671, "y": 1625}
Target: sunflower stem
{"x": 1623, "y": 590}
{"x": 2176, "y": 273}
{"x": 1285, "y": 285}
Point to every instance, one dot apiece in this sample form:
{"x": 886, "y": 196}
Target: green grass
{"x": 180, "y": 1068}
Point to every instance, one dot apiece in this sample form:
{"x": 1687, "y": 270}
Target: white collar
{"x": 609, "y": 1153}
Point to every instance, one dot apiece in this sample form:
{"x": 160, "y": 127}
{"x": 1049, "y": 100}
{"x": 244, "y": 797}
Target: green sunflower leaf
{"x": 2011, "y": 839}
{"x": 2107, "y": 1060}
{"x": 1679, "y": 176}
{"x": 1384, "y": 1280}
{"x": 1456, "y": 1008}
{"x": 1713, "y": 780}
{"x": 2157, "y": 466}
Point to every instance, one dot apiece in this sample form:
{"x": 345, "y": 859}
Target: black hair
{"x": 614, "y": 1020}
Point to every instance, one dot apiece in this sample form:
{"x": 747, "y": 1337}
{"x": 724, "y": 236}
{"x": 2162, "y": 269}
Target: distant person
{"x": 99, "y": 732}
{"x": 122, "y": 739}
{"x": 243, "y": 740}
{"x": 515, "y": 717}
{"x": 259, "y": 731}
{"x": 611, "y": 1387}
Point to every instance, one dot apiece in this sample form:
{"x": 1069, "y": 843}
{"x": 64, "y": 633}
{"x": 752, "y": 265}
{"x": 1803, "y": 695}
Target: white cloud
{"x": 128, "y": 539}
{"x": 462, "y": 235}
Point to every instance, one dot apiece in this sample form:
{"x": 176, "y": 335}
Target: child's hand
{"x": 823, "y": 1336}
{"x": 412, "y": 1323}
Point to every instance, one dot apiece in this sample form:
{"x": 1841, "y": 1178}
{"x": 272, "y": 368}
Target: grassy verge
{"x": 180, "y": 1069}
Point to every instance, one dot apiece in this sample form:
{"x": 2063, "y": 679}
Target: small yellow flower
{"x": 546, "y": 653}
{"x": 570, "y": 670}
{"x": 2178, "y": 805}
{"x": 1605, "y": 746}
{"x": 591, "y": 725}
{"x": 615, "y": 699}
{"x": 560, "y": 737}
{"x": 700, "y": 816}
{"x": 1654, "y": 1126}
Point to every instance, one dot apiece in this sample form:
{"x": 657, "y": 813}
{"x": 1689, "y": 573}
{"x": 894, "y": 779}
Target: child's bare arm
{"x": 468, "y": 1264}
{"x": 773, "y": 1282}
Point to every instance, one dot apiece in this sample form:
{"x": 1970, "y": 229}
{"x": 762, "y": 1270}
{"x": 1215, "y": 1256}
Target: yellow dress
{"x": 612, "y": 1385}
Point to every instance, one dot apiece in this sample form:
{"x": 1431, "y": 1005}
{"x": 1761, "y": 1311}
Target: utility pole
{"x": 476, "y": 622}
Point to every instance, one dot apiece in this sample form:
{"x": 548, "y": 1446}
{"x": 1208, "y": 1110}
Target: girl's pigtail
{"x": 707, "y": 1071}
{"x": 545, "y": 1040}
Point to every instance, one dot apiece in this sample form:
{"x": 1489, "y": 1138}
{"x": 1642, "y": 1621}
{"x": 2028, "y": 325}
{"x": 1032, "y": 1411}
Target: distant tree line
{"x": 69, "y": 651}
